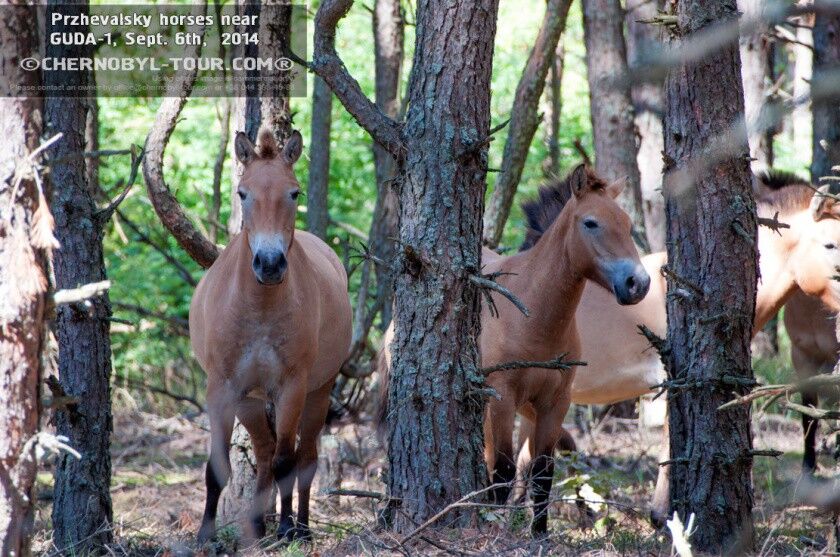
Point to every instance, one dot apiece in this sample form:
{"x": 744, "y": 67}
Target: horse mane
{"x": 551, "y": 198}
{"x": 782, "y": 191}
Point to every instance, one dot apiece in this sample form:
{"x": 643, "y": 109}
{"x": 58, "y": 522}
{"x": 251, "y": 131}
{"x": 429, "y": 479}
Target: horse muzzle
{"x": 630, "y": 282}
{"x": 269, "y": 268}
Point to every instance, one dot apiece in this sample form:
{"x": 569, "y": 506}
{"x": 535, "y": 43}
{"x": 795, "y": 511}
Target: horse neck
{"x": 550, "y": 279}
{"x": 253, "y": 295}
{"x": 777, "y": 282}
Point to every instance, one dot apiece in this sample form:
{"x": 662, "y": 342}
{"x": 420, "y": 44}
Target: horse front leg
{"x": 221, "y": 412}
{"x": 253, "y": 415}
{"x": 289, "y": 404}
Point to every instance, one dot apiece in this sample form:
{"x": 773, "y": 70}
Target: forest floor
{"x": 158, "y": 493}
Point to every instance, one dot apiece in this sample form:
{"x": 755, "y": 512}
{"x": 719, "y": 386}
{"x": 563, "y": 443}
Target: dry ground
{"x": 158, "y": 492}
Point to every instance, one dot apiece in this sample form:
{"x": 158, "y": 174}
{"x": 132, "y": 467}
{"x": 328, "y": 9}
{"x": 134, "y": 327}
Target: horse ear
{"x": 615, "y": 189}
{"x": 244, "y": 149}
{"x": 293, "y": 147}
{"x": 824, "y": 204}
{"x": 578, "y": 180}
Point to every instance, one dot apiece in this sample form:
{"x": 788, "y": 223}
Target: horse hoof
{"x": 294, "y": 532}
{"x": 657, "y": 519}
{"x": 206, "y": 533}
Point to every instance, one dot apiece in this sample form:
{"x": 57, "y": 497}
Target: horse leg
{"x": 217, "y": 472}
{"x": 311, "y": 424}
{"x": 499, "y": 448}
{"x": 661, "y": 495}
{"x": 251, "y": 412}
{"x": 805, "y": 367}
{"x": 288, "y": 407}
{"x": 548, "y": 431}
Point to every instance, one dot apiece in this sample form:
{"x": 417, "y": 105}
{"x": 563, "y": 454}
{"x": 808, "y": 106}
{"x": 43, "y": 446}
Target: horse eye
{"x": 830, "y": 246}
{"x": 590, "y": 223}
{"x": 241, "y": 194}
{"x": 295, "y": 195}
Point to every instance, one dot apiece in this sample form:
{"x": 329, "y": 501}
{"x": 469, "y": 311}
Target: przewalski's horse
{"x": 620, "y": 362}
{"x": 809, "y": 322}
{"x": 270, "y": 321}
{"x": 590, "y": 240}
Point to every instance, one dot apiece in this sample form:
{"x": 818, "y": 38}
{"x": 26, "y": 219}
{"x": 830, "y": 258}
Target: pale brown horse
{"x": 621, "y": 363}
{"x": 270, "y": 321}
{"x": 809, "y": 322}
{"x": 590, "y": 240}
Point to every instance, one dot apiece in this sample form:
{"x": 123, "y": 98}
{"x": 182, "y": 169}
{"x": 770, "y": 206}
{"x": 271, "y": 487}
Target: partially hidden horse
{"x": 621, "y": 364}
{"x": 270, "y": 321}
{"x": 809, "y": 322}
{"x": 589, "y": 240}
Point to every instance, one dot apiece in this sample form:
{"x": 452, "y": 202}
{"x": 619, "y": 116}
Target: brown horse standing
{"x": 270, "y": 321}
{"x": 589, "y": 240}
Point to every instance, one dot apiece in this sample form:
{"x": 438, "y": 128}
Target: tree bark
{"x": 317, "y": 215}
{"x": 435, "y": 414}
{"x": 25, "y": 237}
{"x": 712, "y": 258}
{"x": 643, "y": 41}
{"x": 81, "y": 512}
{"x": 436, "y": 450}
{"x": 524, "y": 119}
{"x": 611, "y": 107}
{"x": 826, "y": 122}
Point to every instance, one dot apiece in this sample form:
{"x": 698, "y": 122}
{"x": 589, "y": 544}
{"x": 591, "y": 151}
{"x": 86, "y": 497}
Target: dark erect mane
{"x": 551, "y": 198}
{"x": 782, "y": 191}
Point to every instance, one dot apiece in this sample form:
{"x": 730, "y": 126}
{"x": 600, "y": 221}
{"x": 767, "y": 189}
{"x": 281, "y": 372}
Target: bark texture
{"x": 643, "y": 42}
{"x": 611, "y": 107}
{"x": 81, "y": 513}
{"x": 317, "y": 215}
{"x": 826, "y": 123}
{"x": 524, "y": 119}
{"x": 435, "y": 412}
{"x": 436, "y": 453}
{"x": 25, "y": 235}
{"x": 711, "y": 290}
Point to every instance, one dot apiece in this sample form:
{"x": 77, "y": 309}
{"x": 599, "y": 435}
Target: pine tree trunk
{"x": 389, "y": 49}
{"x": 23, "y": 283}
{"x": 611, "y": 107}
{"x": 81, "y": 511}
{"x": 803, "y": 62}
{"x": 827, "y": 111}
{"x": 643, "y": 41}
{"x": 524, "y": 120}
{"x": 435, "y": 416}
{"x": 317, "y": 215}
{"x": 711, "y": 291}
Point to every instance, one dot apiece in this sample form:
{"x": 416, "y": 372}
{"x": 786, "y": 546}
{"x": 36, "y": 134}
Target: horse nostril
{"x": 631, "y": 282}
{"x": 258, "y": 262}
{"x": 281, "y": 262}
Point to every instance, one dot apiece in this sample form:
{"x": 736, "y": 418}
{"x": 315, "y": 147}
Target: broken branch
{"x": 557, "y": 363}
